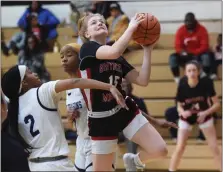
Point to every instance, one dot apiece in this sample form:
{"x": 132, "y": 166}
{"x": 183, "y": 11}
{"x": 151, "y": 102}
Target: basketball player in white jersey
{"x": 33, "y": 117}
{"x": 77, "y": 109}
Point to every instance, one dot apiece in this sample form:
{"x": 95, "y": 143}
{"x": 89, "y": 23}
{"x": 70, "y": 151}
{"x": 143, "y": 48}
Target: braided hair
{"x": 12, "y": 86}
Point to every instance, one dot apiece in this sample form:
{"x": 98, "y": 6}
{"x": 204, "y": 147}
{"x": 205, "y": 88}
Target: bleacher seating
{"x": 158, "y": 96}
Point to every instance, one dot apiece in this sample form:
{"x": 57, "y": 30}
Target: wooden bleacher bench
{"x": 166, "y": 41}
{"x": 164, "y": 89}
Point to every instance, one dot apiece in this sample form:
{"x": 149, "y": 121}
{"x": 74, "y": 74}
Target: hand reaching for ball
{"x": 135, "y": 21}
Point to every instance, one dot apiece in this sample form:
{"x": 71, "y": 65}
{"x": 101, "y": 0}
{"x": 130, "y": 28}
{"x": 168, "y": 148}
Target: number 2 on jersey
{"x": 114, "y": 80}
{"x": 31, "y": 119}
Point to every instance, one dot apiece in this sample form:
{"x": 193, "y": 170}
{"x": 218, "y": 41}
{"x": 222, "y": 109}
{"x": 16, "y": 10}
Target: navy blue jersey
{"x": 108, "y": 71}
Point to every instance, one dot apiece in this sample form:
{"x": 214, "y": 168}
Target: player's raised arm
{"x": 93, "y": 25}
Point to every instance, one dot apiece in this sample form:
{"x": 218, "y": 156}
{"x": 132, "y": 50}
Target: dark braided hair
{"x": 10, "y": 83}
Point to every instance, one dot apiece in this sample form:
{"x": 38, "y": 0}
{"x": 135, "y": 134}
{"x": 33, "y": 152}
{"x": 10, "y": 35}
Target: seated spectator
{"x": 191, "y": 43}
{"x": 74, "y": 17}
{"x": 16, "y": 43}
{"x": 217, "y": 56}
{"x": 45, "y": 18}
{"x": 33, "y": 57}
{"x": 40, "y": 31}
{"x": 117, "y": 24}
{"x": 101, "y": 7}
{"x": 3, "y": 45}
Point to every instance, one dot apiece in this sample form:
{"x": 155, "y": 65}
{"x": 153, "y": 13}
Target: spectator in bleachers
{"x": 33, "y": 57}
{"x": 45, "y": 18}
{"x": 16, "y": 43}
{"x": 191, "y": 43}
{"x": 40, "y": 31}
{"x": 117, "y": 24}
{"x": 193, "y": 104}
{"x": 74, "y": 17}
{"x": 4, "y": 48}
{"x": 217, "y": 50}
{"x": 101, "y": 7}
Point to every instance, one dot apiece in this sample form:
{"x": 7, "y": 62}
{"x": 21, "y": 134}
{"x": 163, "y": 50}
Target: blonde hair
{"x": 82, "y": 25}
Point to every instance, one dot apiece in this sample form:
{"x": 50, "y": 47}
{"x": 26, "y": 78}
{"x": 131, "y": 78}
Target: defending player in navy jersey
{"x": 33, "y": 117}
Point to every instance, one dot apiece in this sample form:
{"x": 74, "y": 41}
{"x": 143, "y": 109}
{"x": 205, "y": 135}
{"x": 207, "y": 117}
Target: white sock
{"x": 171, "y": 170}
{"x": 137, "y": 160}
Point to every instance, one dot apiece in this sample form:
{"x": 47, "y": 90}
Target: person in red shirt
{"x": 191, "y": 43}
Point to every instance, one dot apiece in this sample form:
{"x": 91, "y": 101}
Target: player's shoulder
{"x": 206, "y": 80}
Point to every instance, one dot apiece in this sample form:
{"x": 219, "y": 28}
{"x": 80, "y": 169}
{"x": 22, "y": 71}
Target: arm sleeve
{"x": 89, "y": 49}
{"x": 126, "y": 67}
{"x": 179, "y": 46}
{"x": 204, "y": 42}
{"x": 88, "y": 54}
{"x": 47, "y": 94}
{"x": 210, "y": 88}
{"x": 52, "y": 20}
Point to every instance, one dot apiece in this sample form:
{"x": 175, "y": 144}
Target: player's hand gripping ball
{"x": 148, "y": 31}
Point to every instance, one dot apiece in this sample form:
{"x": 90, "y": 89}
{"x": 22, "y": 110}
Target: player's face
{"x": 69, "y": 59}
{"x": 31, "y": 79}
{"x": 96, "y": 28}
{"x": 192, "y": 72}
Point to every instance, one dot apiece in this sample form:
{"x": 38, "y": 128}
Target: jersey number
{"x": 114, "y": 80}
{"x": 31, "y": 119}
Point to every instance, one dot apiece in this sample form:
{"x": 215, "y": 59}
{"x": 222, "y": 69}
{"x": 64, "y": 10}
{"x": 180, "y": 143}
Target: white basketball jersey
{"x": 75, "y": 101}
{"x": 40, "y": 126}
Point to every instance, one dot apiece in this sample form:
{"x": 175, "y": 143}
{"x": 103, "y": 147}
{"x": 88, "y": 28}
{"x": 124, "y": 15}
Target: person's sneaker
{"x": 129, "y": 162}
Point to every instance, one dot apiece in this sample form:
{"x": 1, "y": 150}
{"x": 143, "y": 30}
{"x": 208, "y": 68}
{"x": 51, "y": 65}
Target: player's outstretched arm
{"x": 142, "y": 78}
{"x": 117, "y": 49}
{"x": 81, "y": 83}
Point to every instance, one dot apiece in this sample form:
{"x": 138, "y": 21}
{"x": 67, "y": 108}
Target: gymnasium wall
{"x": 170, "y": 13}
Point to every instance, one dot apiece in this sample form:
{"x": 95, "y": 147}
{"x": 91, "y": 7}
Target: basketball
{"x": 148, "y": 31}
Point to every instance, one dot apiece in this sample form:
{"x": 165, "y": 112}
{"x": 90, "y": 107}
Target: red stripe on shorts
{"x": 104, "y": 138}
